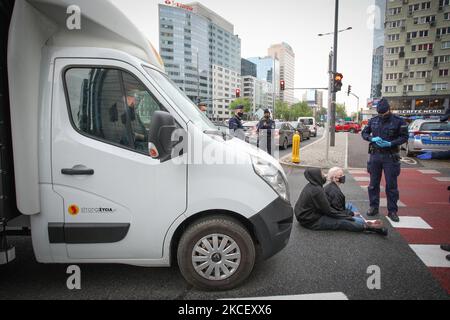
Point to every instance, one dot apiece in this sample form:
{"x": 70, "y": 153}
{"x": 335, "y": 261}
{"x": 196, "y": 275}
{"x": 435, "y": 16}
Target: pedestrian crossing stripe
{"x": 429, "y": 172}
{"x": 443, "y": 179}
{"x": 334, "y": 296}
{"x": 432, "y": 255}
{"x": 362, "y": 179}
{"x": 411, "y": 223}
{"x": 384, "y": 203}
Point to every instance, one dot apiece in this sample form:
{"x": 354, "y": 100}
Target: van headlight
{"x": 272, "y": 176}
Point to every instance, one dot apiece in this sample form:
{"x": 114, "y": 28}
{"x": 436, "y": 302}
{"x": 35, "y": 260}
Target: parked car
{"x": 303, "y": 130}
{"x": 310, "y": 122}
{"x": 348, "y": 126}
{"x": 284, "y": 132}
{"x": 428, "y": 135}
{"x": 251, "y": 132}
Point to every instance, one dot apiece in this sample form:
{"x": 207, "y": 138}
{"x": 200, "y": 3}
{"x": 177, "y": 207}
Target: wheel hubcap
{"x": 216, "y": 257}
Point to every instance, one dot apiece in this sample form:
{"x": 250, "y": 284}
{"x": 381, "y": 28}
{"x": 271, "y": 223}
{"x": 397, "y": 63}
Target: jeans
{"x": 352, "y": 208}
{"x": 328, "y": 223}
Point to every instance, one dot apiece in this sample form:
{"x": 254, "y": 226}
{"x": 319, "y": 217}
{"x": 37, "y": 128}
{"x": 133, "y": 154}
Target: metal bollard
{"x": 296, "y": 140}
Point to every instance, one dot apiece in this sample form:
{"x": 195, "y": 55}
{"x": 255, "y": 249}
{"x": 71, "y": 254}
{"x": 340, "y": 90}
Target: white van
{"x": 310, "y": 122}
{"x": 91, "y": 165}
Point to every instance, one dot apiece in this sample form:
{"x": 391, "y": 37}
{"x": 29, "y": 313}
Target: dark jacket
{"x": 337, "y": 199}
{"x": 313, "y": 202}
{"x": 393, "y": 129}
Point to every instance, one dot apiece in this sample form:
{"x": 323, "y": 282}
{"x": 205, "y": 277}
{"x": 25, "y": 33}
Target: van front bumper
{"x": 273, "y": 226}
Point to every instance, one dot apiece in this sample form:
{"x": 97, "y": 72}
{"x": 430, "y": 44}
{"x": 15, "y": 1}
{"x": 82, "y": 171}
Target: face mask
{"x": 267, "y": 117}
{"x": 240, "y": 114}
{"x": 342, "y": 180}
{"x": 324, "y": 180}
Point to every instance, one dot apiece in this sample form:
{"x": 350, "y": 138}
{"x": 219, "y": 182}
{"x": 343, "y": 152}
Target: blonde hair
{"x": 333, "y": 173}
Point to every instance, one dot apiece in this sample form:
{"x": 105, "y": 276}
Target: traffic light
{"x": 238, "y": 93}
{"x": 282, "y": 85}
{"x": 338, "y": 82}
{"x": 349, "y": 90}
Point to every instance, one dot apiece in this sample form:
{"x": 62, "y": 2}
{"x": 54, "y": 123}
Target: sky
{"x": 261, "y": 23}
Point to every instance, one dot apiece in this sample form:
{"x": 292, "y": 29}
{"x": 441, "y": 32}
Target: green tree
{"x": 300, "y": 110}
{"x": 282, "y": 111}
{"x": 241, "y": 101}
{"x": 341, "y": 112}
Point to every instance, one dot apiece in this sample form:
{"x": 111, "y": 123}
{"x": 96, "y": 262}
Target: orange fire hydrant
{"x": 296, "y": 140}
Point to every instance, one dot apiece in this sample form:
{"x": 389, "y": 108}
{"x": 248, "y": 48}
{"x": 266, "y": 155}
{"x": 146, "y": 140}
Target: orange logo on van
{"x": 74, "y": 210}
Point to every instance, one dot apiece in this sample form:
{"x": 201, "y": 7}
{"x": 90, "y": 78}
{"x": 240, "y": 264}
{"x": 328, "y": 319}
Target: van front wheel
{"x": 216, "y": 254}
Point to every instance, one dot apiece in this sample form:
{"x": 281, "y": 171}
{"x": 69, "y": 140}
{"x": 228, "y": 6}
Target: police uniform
{"x": 393, "y": 130}
{"x": 236, "y": 127}
{"x": 265, "y": 128}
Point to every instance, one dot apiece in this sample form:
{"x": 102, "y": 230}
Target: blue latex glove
{"x": 376, "y": 140}
{"x": 426, "y": 156}
{"x": 384, "y": 144}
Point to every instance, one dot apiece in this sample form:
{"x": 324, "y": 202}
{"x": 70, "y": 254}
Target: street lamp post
{"x": 333, "y": 108}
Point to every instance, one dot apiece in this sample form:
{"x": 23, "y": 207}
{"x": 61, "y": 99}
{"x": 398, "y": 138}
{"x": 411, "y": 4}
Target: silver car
{"x": 428, "y": 135}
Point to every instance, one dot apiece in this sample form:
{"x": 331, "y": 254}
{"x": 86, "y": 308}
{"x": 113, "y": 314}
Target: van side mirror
{"x": 160, "y": 134}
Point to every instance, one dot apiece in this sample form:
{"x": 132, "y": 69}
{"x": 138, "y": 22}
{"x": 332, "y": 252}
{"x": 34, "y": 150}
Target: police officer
{"x": 265, "y": 129}
{"x": 386, "y": 133}
{"x": 235, "y": 124}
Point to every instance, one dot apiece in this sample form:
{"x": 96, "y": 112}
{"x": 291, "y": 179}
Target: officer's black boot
{"x": 373, "y": 212}
{"x": 394, "y": 216}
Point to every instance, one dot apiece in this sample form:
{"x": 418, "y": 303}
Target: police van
{"x": 105, "y": 160}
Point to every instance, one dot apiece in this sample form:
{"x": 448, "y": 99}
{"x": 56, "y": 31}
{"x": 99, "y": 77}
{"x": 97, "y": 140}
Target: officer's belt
{"x": 393, "y": 150}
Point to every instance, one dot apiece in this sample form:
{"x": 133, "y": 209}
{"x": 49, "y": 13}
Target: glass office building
{"x": 184, "y": 48}
{"x": 194, "y": 40}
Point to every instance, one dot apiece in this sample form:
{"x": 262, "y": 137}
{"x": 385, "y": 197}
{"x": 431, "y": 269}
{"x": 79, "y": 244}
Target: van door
{"x": 118, "y": 202}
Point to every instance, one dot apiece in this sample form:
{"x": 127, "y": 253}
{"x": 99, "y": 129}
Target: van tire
{"x": 210, "y": 226}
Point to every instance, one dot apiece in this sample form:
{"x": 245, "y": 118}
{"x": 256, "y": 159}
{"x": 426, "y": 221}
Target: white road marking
{"x": 362, "y": 179}
{"x": 429, "y": 171}
{"x": 346, "y": 152}
{"x": 432, "y": 256}
{"x": 311, "y": 144}
{"x": 443, "y": 179}
{"x": 383, "y": 203}
{"x": 411, "y": 223}
{"x": 306, "y": 297}
{"x": 353, "y": 172}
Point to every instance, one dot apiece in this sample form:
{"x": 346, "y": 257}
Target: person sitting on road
{"x": 336, "y": 198}
{"x": 313, "y": 211}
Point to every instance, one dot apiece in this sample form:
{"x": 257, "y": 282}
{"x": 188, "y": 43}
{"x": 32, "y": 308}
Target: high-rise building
{"x": 248, "y": 68}
{"x": 268, "y": 70}
{"x": 286, "y": 56}
{"x": 416, "y": 76}
{"x": 258, "y": 92}
{"x": 378, "y": 49}
{"x": 201, "y": 54}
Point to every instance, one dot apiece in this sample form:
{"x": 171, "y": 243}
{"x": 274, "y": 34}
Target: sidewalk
{"x": 314, "y": 155}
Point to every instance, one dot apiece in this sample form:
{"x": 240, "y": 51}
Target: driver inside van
{"x": 131, "y": 119}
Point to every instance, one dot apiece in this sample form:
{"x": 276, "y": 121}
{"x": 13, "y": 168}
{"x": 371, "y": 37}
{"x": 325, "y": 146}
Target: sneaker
{"x": 394, "y": 216}
{"x": 373, "y": 212}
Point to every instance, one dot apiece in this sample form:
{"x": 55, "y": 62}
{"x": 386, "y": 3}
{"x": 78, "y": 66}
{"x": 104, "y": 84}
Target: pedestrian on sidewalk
{"x": 337, "y": 200}
{"x": 386, "y": 133}
{"x": 266, "y": 128}
{"x": 313, "y": 211}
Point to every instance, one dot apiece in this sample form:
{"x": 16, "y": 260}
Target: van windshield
{"x": 185, "y": 104}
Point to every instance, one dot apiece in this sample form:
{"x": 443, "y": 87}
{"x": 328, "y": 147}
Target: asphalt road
{"x": 313, "y": 262}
